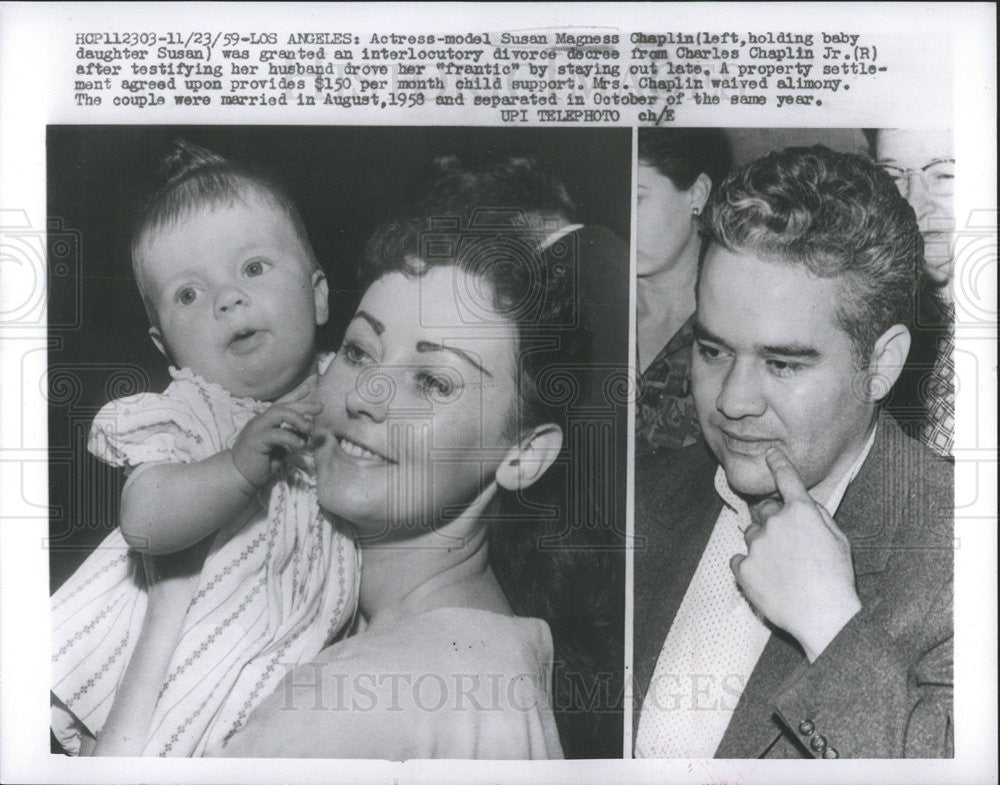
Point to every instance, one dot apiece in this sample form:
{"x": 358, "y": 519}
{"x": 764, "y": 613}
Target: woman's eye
{"x": 354, "y": 354}
{"x": 438, "y": 385}
{"x": 254, "y": 268}
{"x": 187, "y": 295}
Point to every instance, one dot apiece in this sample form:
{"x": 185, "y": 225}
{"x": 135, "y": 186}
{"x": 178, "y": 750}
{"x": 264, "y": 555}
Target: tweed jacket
{"x": 883, "y": 687}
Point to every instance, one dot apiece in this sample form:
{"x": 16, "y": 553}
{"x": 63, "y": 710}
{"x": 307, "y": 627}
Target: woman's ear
{"x": 887, "y": 360}
{"x": 530, "y": 458}
{"x": 157, "y": 338}
{"x": 321, "y": 296}
{"x": 699, "y": 192}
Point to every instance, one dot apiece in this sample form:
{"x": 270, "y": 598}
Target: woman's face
{"x": 666, "y": 228}
{"x": 416, "y": 404}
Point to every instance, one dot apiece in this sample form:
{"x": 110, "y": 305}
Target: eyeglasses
{"x": 938, "y": 176}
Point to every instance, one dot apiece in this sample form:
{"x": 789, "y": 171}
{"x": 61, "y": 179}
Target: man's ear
{"x": 157, "y": 337}
{"x": 321, "y": 296}
{"x": 887, "y": 360}
{"x": 530, "y": 458}
{"x": 699, "y": 192}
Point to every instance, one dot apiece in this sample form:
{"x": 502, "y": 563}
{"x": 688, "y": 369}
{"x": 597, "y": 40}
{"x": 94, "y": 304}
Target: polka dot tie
{"x": 710, "y": 652}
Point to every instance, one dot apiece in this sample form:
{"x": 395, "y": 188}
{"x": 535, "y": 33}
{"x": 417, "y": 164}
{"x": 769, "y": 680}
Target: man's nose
{"x": 741, "y": 394}
{"x": 230, "y": 297}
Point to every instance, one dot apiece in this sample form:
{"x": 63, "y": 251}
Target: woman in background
{"x": 482, "y": 601}
{"x": 677, "y": 169}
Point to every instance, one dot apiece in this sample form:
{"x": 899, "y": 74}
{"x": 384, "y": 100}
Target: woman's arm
{"x": 173, "y": 580}
{"x": 169, "y": 507}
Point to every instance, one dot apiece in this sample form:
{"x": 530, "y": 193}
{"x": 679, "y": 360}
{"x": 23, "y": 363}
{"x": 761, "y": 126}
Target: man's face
{"x": 773, "y": 368}
{"x": 930, "y": 194}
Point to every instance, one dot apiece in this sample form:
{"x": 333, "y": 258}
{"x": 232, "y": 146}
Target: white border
{"x": 33, "y": 91}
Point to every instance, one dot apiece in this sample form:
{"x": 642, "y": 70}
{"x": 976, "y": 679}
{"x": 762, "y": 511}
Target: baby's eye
{"x": 254, "y": 268}
{"x": 438, "y": 385}
{"x": 187, "y": 295}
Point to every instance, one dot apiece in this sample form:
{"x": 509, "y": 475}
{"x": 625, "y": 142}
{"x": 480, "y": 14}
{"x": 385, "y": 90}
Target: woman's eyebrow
{"x": 429, "y": 346}
{"x": 374, "y": 323}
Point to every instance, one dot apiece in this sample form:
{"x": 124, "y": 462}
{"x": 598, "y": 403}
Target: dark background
{"x": 345, "y": 181}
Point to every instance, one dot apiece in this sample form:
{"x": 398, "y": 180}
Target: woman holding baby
{"x": 440, "y": 449}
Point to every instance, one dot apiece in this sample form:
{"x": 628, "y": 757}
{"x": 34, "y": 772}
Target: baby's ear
{"x": 157, "y": 337}
{"x": 321, "y": 296}
{"x": 530, "y": 458}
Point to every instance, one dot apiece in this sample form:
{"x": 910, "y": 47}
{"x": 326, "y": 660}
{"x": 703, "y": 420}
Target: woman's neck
{"x": 444, "y": 567}
{"x": 664, "y": 302}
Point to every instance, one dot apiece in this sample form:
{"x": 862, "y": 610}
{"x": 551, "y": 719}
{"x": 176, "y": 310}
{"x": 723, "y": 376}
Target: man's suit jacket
{"x": 883, "y": 687}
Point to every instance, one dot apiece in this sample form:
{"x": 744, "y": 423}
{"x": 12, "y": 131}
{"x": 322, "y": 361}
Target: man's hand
{"x": 798, "y": 570}
{"x": 265, "y": 441}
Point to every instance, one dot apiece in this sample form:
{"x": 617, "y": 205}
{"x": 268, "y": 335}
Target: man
{"x": 793, "y": 578}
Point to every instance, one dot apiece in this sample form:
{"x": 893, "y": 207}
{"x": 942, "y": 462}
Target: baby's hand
{"x": 264, "y": 441}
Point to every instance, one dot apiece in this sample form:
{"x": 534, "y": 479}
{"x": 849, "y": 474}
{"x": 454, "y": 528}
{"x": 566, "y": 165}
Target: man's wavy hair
{"x": 836, "y": 214}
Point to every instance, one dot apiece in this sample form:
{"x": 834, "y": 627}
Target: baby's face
{"x": 235, "y": 297}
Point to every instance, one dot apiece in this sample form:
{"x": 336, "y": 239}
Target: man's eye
{"x": 709, "y": 352}
{"x": 254, "y": 268}
{"x": 187, "y": 295}
{"x": 783, "y": 367}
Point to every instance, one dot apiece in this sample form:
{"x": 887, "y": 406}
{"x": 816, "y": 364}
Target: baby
{"x": 234, "y": 294}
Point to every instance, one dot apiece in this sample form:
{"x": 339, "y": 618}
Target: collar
{"x": 837, "y": 495}
{"x": 731, "y": 500}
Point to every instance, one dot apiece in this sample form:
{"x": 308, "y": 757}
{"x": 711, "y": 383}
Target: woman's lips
{"x": 358, "y": 453}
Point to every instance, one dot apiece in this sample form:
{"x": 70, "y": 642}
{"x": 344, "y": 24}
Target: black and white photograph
{"x": 498, "y": 393}
{"x": 376, "y": 509}
{"x": 793, "y": 584}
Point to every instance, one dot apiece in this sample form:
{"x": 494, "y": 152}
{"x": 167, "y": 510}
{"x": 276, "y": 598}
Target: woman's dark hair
{"x": 511, "y": 183}
{"x": 684, "y": 153}
{"x": 552, "y": 558}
